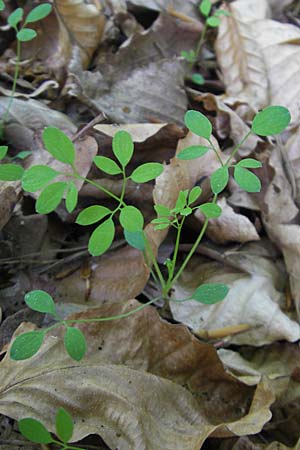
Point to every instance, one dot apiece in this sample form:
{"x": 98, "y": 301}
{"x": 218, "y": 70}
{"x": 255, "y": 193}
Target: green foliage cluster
{"x": 212, "y": 20}
{"x": 52, "y": 189}
{"x": 23, "y": 34}
{"x": 36, "y": 432}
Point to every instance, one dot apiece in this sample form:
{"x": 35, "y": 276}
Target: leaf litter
{"x": 191, "y": 376}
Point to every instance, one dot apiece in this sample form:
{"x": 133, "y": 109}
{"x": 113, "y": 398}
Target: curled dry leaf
{"x": 230, "y": 226}
{"x": 72, "y": 23}
{"x": 253, "y": 300}
{"x": 281, "y": 208}
{"x": 252, "y": 51}
{"x": 25, "y": 117}
{"x": 9, "y": 193}
{"x": 149, "y": 411}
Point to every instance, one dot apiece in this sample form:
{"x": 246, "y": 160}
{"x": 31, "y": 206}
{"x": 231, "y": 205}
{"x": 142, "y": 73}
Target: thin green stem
{"x": 14, "y": 86}
{"x": 65, "y": 446}
{"x": 93, "y": 183}
{"x": 155, "y": 265}
{"x": 197, "y": 242}
{"x": 216, "y": 153}
{"x": 199, "y": 45}
{"x": 175, "y": 254}
{"x": 236, "y": 148}
{"x": 119, "y": 316}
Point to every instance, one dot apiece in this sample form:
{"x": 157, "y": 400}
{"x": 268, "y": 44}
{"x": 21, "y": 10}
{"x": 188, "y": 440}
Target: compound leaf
{"x": 3, "y": 151}
{"x": 210, "y": 210}
{"x": 26, "y": 34}
{"x": 146, "y": 172}
{"x": 213, "y": 21}
{"x": 59, "y": 145}
{"x": 15, "y": 17}
{"x": 38, "y": 13}
{"x": 131, "y": 219}
{"x": 107, "y": 165}
{"x": 247, "y": 180}
{"x": 192, "y": 152}
{"x": 205, "y": 7}
{"x": 40, "y": 301}
{"x": 210, "y": 293}
{"x": 75, "y": 343}
{"x": 50, "y": 197}
{"x": 135, "y": 239}
{"x": 71, "y": 197}
{"x": 36, "y": 177}
{"x": 26, "y": 345}
{"x": 194, "y": 194}
{"x": 34, "y": 431}
{"x": 198, "y": 124}
{"x": 162, "y": 210}
{"x": 101, "y": 238}
{"x": 11, "y": 172}
{"x": 92, "y": 214}
{"x": 64, "y": 425}
{"x": 122, "y": 146}
{"x": 271, "y": 120}
{"x": 219, "y": 179}
{"x": 250, "y": 163}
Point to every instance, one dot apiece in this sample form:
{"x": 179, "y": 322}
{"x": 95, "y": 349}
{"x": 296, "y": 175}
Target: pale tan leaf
{"x": 253, "y": 300}
{"x": 82, "y": 23}
{"x": 241, "y": 60}
{"x": 259, "y": 57}
{"x": 230, "y": 226}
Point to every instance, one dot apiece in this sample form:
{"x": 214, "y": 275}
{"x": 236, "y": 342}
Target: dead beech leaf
{"x": 140, "y": 132}
{"x": 253, "y": 300}
{"x": 148, "y": 58}
{"x": 281, "y": 208}
{"x": 81, "y": 23}
{"x": 9, "y": 193}
{"x": 188, "y": 7}
{"x": 230, "y": 226}
{"x": 27, "y": 116}
{"x": 256, "y": 71}
{"x": 129, "y": 407}
{"x": 241, "y": 60}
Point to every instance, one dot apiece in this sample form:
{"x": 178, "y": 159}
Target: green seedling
{"x": 23, "y": 34}
{"x": 36, "y": 432}
{"x": 270, "y": 121}
{"x": 211, "y": 21}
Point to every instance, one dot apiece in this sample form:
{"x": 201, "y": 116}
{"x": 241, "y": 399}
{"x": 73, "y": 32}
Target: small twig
{"x": 180, "y": 15}
{"x": 88, "y": 126}
{"x": 221, "y": 333}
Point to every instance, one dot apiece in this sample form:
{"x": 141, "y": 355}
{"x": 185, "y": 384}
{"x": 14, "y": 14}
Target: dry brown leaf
{"x": 281, "y": 208}
{"x": 230, "y": 226}
{"x": 81, "y": 23}
{"x": 130, "y": 408}
{"x": 25, "y": 117}
{"x": 239, "y": 55}
{"x": 9, "y": 193}
{"x": 253, "y": 51}
{"x": 148, "y": 58}
{"x": 253, "y": 300}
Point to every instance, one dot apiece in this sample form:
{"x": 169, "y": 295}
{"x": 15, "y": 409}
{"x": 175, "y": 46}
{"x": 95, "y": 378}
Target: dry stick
{"x": 221, "y": 333}
{"x": 88, "y": 126}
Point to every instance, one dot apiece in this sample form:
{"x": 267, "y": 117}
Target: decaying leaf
{"x": 148, "y": 58}
{"x": 254, "y": 299}
{"x": 252, "y": 51}
{"x": 118, "y": 398}
{"x": 230, "y": 226}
